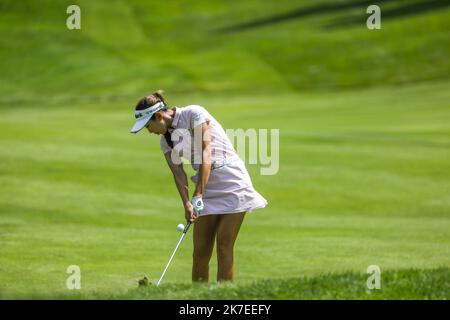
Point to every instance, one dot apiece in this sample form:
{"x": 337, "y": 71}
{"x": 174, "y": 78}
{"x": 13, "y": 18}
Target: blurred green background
{"x": 364, "y": 119}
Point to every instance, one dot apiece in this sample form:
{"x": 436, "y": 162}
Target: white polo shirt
{"x": 185, "y": 125}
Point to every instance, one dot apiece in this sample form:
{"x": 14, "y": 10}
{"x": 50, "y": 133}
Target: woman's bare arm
{"x": 181, "y": 182}
{"x": 205, "y": 167}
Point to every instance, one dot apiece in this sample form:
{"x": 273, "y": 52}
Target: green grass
{"x": 395, "y": 284}
{"x": 126, "y": 47}
{"x": 364, "y": 176}
{"x": 363, "y": 180}
{"x": 404, "y": 284}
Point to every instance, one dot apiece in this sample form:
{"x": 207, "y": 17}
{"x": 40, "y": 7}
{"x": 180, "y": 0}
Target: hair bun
{"x": 159, "y": 95}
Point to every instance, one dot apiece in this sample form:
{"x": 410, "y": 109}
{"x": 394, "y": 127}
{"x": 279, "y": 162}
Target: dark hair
{"x": 151, "y": 100}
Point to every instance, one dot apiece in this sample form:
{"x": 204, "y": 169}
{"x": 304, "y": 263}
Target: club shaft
{"x": 173, "y": 254}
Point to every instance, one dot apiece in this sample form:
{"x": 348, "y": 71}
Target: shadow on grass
{"x": 405, "y": 10}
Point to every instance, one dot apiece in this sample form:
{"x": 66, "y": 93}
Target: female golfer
{"x": 223, "y": 190}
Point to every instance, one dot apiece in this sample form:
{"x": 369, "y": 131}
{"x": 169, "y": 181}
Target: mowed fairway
{"x": 364, "y": 169}
{"x": 363, "y": 179}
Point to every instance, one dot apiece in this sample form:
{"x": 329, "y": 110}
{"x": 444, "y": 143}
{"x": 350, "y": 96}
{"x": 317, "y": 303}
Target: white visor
{"x": 143, "y": 116}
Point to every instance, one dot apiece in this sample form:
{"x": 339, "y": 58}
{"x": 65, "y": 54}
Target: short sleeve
{"x": 198, "y": 116}
{"x": 164, "y": 146}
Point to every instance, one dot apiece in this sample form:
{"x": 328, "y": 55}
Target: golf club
{"x": 174, "y": 251}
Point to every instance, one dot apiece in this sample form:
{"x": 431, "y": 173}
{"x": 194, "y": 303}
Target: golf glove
{"x": 197, "y": 203}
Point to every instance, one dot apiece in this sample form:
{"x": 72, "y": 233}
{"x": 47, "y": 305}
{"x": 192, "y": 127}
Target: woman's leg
{"x": 227, "y": 231}
{"x": 205, "y": 228}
